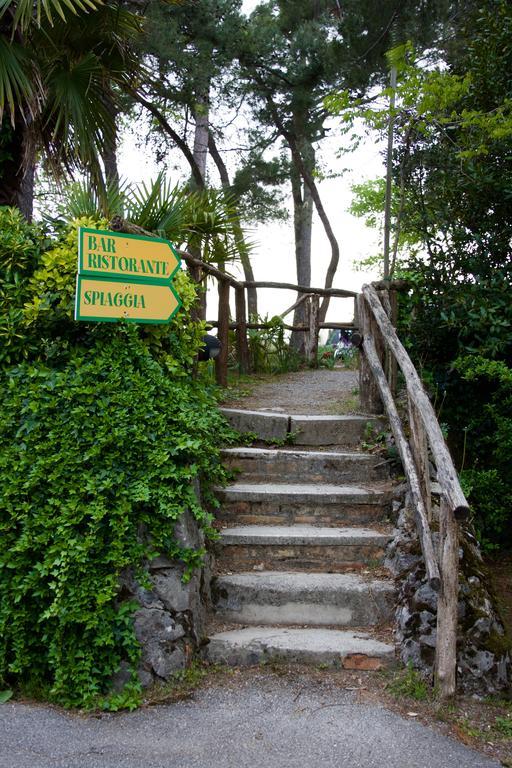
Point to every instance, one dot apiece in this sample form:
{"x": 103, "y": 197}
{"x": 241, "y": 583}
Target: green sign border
{"x": 122, "y": 275}
{"x": 91, "y": 319}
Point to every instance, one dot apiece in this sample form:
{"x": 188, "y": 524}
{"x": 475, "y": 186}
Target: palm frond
{"x": 160, "y": 207}
{"x": 16, "y": 83}
{"x": 24, "y": 13}
{"x": 77, "y": 124}
{"x": 81, "y": 199}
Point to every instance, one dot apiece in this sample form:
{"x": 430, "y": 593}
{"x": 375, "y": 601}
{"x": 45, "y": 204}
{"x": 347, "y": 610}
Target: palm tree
{"x": 63, "y": 67}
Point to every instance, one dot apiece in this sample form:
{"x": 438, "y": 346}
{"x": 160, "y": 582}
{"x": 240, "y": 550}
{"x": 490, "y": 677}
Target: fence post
{"x": 419, "y": 449}
{"x": 313, "y": 322}
{"x": 368, "y": 389}
{"x": 446, "y": 649}
{"x": 221, "y": 362}
{"x": 242, "y": 346}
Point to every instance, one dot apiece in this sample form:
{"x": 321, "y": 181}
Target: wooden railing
{"x": 241, "y": 324}
{"x": 381, "y": 352}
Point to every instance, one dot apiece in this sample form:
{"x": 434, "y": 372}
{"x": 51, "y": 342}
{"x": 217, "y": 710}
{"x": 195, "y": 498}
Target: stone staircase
{"x": 298, "y": 569}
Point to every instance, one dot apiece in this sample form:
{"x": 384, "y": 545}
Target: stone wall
{"x": 170, "y": 621}
{"x": 483, "y": 655}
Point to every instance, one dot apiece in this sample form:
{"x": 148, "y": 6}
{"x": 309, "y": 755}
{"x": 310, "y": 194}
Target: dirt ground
{"x": 322, "y": 391}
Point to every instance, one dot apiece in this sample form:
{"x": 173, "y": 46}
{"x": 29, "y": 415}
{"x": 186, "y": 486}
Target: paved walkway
{"x": 263, "y": 720}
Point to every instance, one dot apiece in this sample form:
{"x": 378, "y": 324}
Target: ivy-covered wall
{"x": 105, "y": 440}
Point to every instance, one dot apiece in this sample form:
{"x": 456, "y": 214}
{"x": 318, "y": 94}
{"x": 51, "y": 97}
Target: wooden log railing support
{"x": 311, "y": 340}
{"x": 242, "y": 345}
{"x": 300, "y": 301}
{"x": 392, "y": 364}
{"x": 221, "y": 362}
{"x": 447, "y": 605}
{"x": 259, "y": 326}
{"x": 446, "y": 472}
{"x": 404, "y": 450}
{"x": 419, "y": 448}
{"x": 368, "y": 388}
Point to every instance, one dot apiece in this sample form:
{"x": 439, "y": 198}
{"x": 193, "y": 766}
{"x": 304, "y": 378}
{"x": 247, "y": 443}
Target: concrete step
{"x": 302, "y": 430}
{"x": 252, "y": 645}
{"x": 298, "y": 548}
{"x": 274, "y": 597}
{"x": 332, "y": 430}
{"x": 304, "y": 503}
{"x": 287, "y": 465}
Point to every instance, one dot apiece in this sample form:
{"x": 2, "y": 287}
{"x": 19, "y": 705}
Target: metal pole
{"x": 387, "y": 209}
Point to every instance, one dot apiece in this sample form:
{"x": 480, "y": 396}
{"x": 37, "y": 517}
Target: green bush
{"x": 96, "y": 466}
{"x": 480, "y": 403}
{"x": 103, "y": 434}
{"x": 21, "y": 246}
{"x": 270, "y": 350}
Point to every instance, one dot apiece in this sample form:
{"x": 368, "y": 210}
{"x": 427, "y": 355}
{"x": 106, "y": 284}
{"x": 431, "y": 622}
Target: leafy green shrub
{"x": 21, "y": 245}
{"x": 480, "y": 401}
{"x": 270, "y": 351}
{"x": 97, "y": 463}
{"x": 103, "y": 434}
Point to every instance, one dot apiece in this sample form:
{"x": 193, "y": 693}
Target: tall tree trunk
{"x": 301, "y": 164}
{"x": 199, "y": 153}
{"x": 17, "y": 167}
{"x": 252, "y": 293}
{"x": 302, "y": 223}
{"x": 201, "y": 132}
{"x": 109, "y": 154}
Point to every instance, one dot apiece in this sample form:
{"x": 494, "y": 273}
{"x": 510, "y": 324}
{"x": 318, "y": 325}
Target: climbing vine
{"x": 104, "y": 437}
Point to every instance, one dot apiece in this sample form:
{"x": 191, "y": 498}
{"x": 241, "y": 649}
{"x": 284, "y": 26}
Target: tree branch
{"x": 196, "y": 171}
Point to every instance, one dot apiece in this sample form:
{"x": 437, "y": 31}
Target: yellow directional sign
{"x": 113, "y": 254}
{"x": 110, "y": 300}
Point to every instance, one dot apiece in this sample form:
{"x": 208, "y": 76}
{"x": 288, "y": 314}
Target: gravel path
{"x": 264, "y": 721}
{"x": 313, "y": 392}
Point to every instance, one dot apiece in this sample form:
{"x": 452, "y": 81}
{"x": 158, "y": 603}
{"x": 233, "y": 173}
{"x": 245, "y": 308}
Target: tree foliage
{"x": 452, "y": 171}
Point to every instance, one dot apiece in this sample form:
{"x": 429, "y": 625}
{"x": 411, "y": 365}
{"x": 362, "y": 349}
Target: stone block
{"x": 269, "y": 427}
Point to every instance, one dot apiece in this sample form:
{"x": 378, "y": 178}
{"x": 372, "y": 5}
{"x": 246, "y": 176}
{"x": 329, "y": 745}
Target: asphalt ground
{"x": 264, "y": 721}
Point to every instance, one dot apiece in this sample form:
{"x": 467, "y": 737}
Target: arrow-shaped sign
{"x": 110, "y": 300}
{"x": 134, "y": 257}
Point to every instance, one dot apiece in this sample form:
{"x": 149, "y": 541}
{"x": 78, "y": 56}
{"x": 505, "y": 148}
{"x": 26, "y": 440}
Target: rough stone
{"x": 482, "y": 668}
{"x": 266, "y": 426}
{"x": 157, "y": 633}
{"x": 425, "y": 598}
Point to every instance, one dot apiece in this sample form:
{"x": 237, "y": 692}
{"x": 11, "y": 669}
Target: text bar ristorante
{"x": 113, "y": 254}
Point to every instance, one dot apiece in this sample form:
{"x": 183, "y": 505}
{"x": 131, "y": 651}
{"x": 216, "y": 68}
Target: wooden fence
{"x": 381, "y": 351}
{"x": 241, "y": 323}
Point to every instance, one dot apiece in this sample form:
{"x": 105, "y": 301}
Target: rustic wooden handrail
{"x": 447, "y": 474}
{"x": 377, "y": 336}
{"x": 302, "y": 289}
{"x": 404, "y": 450}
